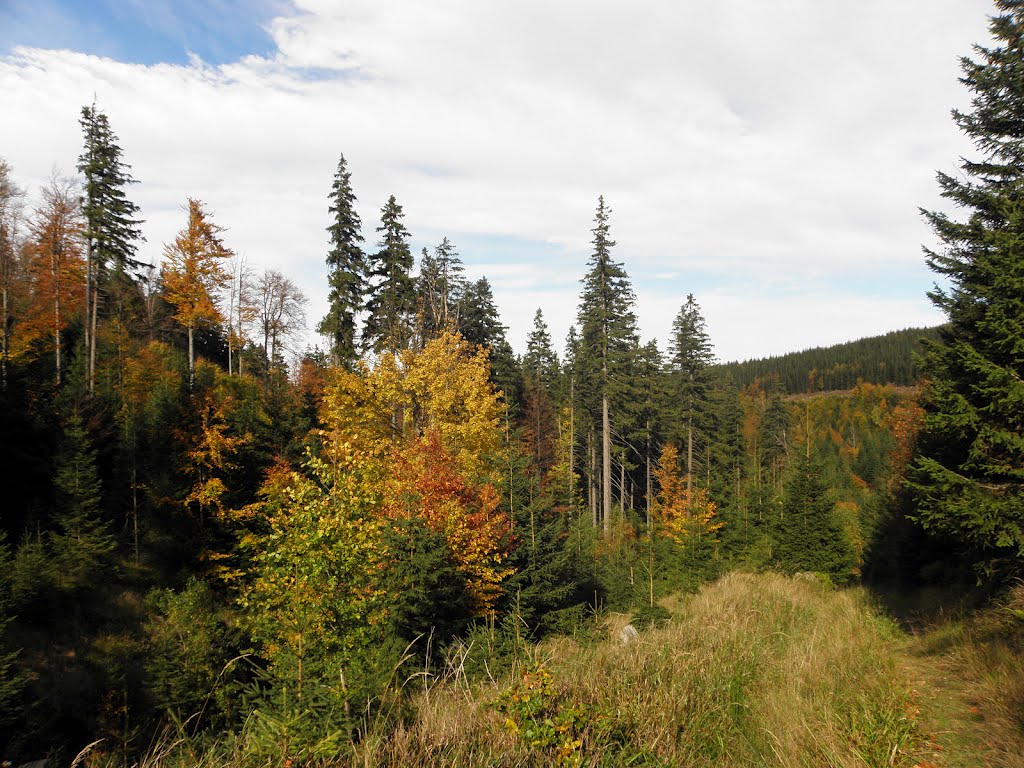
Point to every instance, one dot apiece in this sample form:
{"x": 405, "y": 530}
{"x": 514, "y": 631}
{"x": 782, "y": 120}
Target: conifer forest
{"x": 235, "y": 534}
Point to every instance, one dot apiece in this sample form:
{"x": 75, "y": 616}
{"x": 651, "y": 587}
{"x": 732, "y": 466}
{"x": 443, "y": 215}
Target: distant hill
{"x": 884, "y": 359}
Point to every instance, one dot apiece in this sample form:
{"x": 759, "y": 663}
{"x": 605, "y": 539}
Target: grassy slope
{"x": 754, "y": 670}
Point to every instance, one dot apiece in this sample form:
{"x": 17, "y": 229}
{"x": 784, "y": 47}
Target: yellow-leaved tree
{"x": 684, "y": 517}
{"x": 425, "y": 426}
{"x": 193, "y": 273}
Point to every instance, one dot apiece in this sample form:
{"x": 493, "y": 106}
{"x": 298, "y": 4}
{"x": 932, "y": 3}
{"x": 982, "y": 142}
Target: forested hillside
{"x": 217, "y": 548}
{"x": 886, "y": 359}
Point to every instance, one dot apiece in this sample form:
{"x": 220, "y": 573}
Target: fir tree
{"x": 440, "y": 287}
{"x": 541, "y": 360}
{"x": 82, "y": 546}
{"x": 810, "y": 536}
{"x": 608, "y": 326}
{"x": 968, "y": 478}
{"x": 346, "y": 266}
{"x": 480, "y": 324}
{"x": 690, "y": 357}
{"x": 391, "y": 292}
{"x": 112, "y": 223}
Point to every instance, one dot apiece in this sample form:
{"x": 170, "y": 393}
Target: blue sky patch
{"x": 143, "y": 31}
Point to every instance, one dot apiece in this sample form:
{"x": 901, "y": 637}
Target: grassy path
{"x": 969, "y": 677}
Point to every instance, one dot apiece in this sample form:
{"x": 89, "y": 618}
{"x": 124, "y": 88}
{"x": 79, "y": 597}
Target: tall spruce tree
{"x": 112, "y": 223}
{"x": 391, "y": 293}
{"x": 541, "y": 360}
{"x": 540, "y": 374}
{"x": 968, "y": 476}
{"x": 346, "y": 267}
{"x": 440, "y": 286}
{"x": 480, "y": 324}
{"x": 690, "y": 358}
{"x": 608, "y": 338}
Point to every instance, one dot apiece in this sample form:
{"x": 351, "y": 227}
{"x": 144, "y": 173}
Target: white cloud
{"x": 736, "y": 142}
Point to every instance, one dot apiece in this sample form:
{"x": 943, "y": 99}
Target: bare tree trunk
{"x": 689, "y": 465}
{"x": 572, "y": 438}
{"x": 606, "y": 464}
{"x": 191, "y": 360}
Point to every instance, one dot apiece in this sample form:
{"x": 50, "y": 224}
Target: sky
{"x": 770, "y": 158}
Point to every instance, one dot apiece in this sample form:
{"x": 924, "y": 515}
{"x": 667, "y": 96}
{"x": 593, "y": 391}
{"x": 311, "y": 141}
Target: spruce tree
{"x": 112, "y": 223}
{"x": 690, "y": 358}
{"x": 346, "y": 266}
{"x": 540, "y": 374}
{"x": 608, "y": 326}
{"x": 809, "y": 535}
{"x": 968, "y": 477}
{"x": 82, "y": 546}
{"x": 391, "y": 292}
{"x": 480, "y": 324}
{"x": 440, "y": 287}
{"x": 541, "y": 360}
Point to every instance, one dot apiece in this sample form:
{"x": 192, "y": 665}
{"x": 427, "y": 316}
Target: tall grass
{"x": 754, "y": 670}
{"x": 979, "y": 658}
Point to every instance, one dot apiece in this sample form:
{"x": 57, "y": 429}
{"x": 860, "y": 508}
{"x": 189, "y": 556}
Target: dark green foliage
{"x": 689, "y": 383}
{"x": 608, "y": 335}
{"x": 427, "y": 598}
{"x": 774, "y": 438}
{"x": 441, "y": 287}
{"x": 345, "y": 265}
{"x": 607, "y": 351}
{"x": 391, "y": 293}
{"x": 480, "y": 324}
{"x": 82, "y": 545}
{"x": 111, "y": 218}
{"x": 886, "y": 359}
{"x": 809, "y": 535}
{"x": 968, "y": 478}
{"x": 11, "y": 682}
{"x": 541, "y": 361}
{"x": 192, "y": 662}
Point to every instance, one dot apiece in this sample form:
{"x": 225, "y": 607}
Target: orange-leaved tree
{"x": 683, "y": 516}
{"x": 193, "y": 274}
{"x": 424, "y": 428}
{"x": 57, "y": 263}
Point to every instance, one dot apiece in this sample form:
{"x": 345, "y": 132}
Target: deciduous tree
{"x": 194, "y": 272}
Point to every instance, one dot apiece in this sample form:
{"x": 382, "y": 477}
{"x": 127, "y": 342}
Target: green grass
{"x": 754, "y": 670}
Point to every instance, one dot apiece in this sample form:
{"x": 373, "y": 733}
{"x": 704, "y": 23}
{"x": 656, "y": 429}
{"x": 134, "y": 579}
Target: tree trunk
{"x": 689, "y": 465}
{"x": 191, "y": 361}
{"x": 606, "y": 465}
{"x": 572, "y": 439}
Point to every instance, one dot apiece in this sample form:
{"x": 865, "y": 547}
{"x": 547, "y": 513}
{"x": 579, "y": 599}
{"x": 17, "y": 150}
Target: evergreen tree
{"x": 968, "y": 478}
{"x": 810, "y": 536}
{"x": 11, "y": 682}
{"x": 391, "y": 292}
{"x": 112, "y": 227}
{"x": 541, "y": 360}
{"x": 82, "y": 546}
{"x": 440, "y": 287}
{"x": 480, "y": 324}
{"x": 608, "y": 326}
{"x": 690, "y": 357}
{"x": 540, "y": 374}
{"x": 346, "y": 265}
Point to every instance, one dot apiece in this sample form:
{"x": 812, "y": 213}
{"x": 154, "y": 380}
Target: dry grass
{"x": 973, "y": 667}
{"x": 754, "y": 670}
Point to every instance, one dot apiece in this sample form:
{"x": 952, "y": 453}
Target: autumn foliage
{"x": 681, "y": 515}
